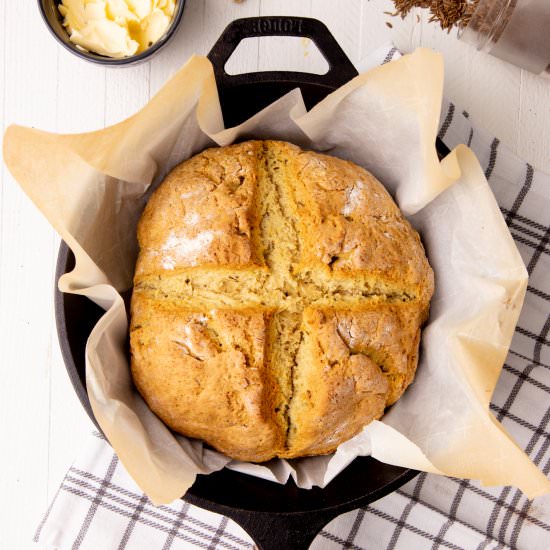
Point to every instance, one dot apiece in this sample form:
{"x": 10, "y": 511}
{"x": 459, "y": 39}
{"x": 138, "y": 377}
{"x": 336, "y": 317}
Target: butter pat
{"x": 116, "y": 28}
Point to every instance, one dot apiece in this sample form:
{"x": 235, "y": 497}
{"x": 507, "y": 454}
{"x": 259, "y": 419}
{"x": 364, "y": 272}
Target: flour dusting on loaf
{"x": 278, "y": 300}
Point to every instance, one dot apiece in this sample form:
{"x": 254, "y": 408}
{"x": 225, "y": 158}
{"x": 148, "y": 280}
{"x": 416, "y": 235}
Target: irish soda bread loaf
{"x": 278, "y": 299}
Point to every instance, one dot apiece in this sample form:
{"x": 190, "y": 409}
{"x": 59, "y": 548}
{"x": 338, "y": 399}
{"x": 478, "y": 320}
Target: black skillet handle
{"x": 270, "y": 85}
{"x": 341, "y": 70}
{"x": 282, "y": 531}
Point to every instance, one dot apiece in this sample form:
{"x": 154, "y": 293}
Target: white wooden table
{"x": 42, "y": 425}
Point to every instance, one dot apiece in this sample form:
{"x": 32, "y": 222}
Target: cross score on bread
{"x": 278, "y": 300}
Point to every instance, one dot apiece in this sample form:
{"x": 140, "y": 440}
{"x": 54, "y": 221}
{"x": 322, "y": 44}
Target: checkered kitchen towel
{"x": 98, "y": 506}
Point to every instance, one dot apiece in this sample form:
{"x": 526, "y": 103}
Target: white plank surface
{"x": 41, "y": 423}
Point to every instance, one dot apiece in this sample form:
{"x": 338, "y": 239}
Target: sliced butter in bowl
{"x": 116, "y": 28}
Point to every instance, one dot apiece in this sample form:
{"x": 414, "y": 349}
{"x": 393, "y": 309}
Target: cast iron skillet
{"x": 275, "y": 516}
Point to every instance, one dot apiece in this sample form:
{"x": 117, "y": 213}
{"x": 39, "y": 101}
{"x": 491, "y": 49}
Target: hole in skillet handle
{"x": 271, "y": 85}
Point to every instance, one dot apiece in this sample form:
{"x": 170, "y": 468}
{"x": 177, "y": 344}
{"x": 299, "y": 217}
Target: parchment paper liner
{"x": 91, "y": 188}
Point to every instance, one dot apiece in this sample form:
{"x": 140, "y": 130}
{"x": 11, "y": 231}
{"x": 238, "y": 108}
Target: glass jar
{"x": 517, "y": 31}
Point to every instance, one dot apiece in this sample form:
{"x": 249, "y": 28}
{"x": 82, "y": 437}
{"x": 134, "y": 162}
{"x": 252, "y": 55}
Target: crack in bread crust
{"x": 300, "y": 299}
{"x": 257, "y": 286}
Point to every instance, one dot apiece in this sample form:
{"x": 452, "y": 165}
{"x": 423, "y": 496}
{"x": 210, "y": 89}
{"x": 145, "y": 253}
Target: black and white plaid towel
{"x": 98, "y": 506}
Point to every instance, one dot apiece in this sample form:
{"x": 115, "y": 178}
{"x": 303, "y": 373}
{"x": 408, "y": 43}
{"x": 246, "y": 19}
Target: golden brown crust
{"x": 202, "y": 214}
{"x": 351, "y": 223}
{"x": 278, "y": 300}
{"x": 352, "y": 365}
{"x": 205, "y": 375}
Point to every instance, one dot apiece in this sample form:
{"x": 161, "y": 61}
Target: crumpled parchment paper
{"x": 91, "y": 188}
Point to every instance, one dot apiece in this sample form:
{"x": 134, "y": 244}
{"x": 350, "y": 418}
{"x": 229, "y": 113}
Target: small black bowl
{"x": 54, "y": 21}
